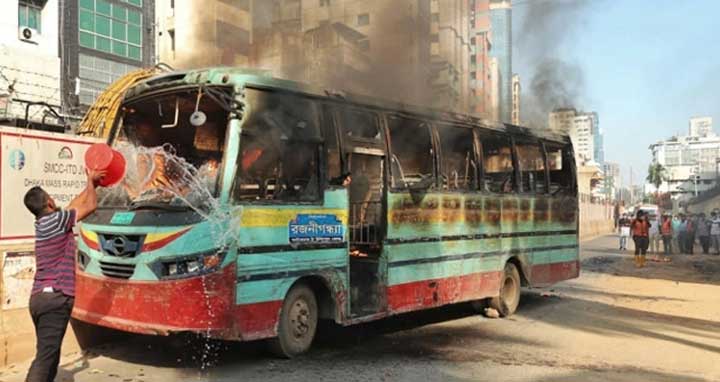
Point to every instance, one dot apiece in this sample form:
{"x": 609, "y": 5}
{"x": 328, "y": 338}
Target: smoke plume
{"x": 557, "y": 82}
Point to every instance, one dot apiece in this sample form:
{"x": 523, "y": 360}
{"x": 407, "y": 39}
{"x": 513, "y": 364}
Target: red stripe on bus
{"x": 197, "y": 304}
{"x": 258, "y": 320}
{"x": 546, "y": 274}
{"x": 430, "y": 293}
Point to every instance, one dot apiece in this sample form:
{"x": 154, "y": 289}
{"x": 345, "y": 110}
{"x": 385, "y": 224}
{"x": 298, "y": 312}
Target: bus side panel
{"x": 269, "y": 262}
{"x": 562, "y": 262}
{"x": 445, "y": 248}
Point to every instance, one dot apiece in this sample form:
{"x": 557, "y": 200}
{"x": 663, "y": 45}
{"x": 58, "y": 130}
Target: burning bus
{"x": 254, "y": 207}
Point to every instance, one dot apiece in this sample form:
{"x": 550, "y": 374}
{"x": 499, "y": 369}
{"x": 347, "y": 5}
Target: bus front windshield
{"x": 173, "y": 146}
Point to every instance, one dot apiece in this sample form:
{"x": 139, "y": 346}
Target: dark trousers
{"x": 50, "y": 314}
{"x": 641, "y": 244}
{"x": 689, "y": 242}
{"x": 667, "y": 244}
{"x": 682, "y": 242}
{"x": 705, "y": 243}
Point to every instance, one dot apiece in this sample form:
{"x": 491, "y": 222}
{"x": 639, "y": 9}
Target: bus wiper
{"x": 157, "y": 206}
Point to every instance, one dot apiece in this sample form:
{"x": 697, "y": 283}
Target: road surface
{"x": 614, "y": 323}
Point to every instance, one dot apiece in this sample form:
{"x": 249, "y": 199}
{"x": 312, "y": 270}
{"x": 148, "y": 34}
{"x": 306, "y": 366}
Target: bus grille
{"x": 120, "y": 271}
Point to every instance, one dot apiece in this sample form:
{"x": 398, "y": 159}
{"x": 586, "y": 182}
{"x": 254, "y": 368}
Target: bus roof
{"x": 238, "y": 76}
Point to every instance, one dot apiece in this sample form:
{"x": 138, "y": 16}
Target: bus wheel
{"x": 507, "y": 302}
{"x": 298, "y": 323}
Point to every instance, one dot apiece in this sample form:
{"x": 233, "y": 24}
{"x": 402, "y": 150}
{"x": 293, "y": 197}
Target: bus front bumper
{"x": 202, "y": 304}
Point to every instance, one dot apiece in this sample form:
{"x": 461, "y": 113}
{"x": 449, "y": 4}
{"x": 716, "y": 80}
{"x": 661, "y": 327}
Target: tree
{"x": 657, "y": 174}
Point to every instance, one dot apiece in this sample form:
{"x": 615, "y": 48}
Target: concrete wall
{"x": 595, "y": 220}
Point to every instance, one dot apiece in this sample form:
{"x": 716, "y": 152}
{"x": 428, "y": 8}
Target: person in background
{"x": 640, "y": 227}
{"x": 667, "y": 236}
{"x": 655, "y": 238}
{"x": 690, "y": 234}
{"x": 681, "y": 230}
{"x": 715, "y": 231}
{"x": 703, "y": 233}
{"x": 53, "y": 291}
{"x": 624, "y": 224}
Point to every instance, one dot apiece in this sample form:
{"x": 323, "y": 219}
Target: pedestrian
{"x": 53, "y": 291}
{"x": 640, "y": 227}
{"x": 681, "y": 230}
{"x": 667, "y": 236}
{"x": 703, "y": 233}
{"x": 690, "y": 234}
{"x": 624, "y": 224}
{"x": 655, "y": 238}
{"x": 715, "y": 231}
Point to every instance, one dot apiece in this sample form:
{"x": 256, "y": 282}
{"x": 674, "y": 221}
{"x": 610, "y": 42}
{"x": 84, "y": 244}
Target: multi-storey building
{"x": 700, "y": 126}
{"x": 203, "y": 33}
{"x": 689, "y": 162}
{"x": 583, "y": 130}
{"x": 480, "y": 76}
{"x": 395, "y": 35}
{"x": 101, "y": 40}
{"x": 29, "y": 60}
{"x": 515, "y": 115}
{"x": 450, "y": 54}
{"x": 501, "y": 37}
{"x": 612, "y": 182}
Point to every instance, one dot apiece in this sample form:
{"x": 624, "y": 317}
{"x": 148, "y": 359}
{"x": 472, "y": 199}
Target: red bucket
{"x": 101, "y": 157}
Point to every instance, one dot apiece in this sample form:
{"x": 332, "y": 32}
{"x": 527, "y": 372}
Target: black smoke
{"x": 556, "y": 81}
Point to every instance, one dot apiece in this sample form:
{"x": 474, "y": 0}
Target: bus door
{"x": 364, "y": 154}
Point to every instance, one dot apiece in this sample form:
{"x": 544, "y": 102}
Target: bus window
{"x": 499, "y": 173}
{"x": 459, "y": 168}
{"x": 412, "y": 153}
{"x": 360, "y": 124}
{"x": 532, "y": 167}
{"x": 559, "y": 160}
{"x": 278, "y": 158}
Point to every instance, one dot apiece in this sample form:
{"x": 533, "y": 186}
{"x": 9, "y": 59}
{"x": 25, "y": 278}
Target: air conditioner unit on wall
{"x": 28, "y": 34}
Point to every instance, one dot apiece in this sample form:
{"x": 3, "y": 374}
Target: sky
{"x": 648, "y": 66}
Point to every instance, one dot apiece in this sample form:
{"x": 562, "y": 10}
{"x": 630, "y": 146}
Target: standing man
{"x": 667, "y": 236}
{"x": 703, "y": 233}
{"x": 53, "y": 292}
{"x": 681, "y": 230}
{"x": 655, "y": 238}
{"x": 624, "y": 224}
{"x": 715, "y": 231}
{"x": 690, "y": 234}
{"x": 640, "y": 227}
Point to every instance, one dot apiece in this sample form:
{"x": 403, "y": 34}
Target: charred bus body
{"x": 305, "y": 204}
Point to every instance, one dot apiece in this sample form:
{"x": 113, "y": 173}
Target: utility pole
{"x": 632, "y": 189}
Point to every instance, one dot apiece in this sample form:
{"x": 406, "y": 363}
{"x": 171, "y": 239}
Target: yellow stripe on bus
{"x": 280, "y": 218}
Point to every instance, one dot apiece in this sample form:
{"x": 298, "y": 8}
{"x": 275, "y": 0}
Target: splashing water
{"x": 158, "y": 175}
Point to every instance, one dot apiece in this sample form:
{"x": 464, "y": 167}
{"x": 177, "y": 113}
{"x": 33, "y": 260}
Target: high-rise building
{"x": 515, "y": 116}
{"x": 494, "y": 73}
{"x": 203, "y": 33}
{"x": 394, "y": 35}
{"x": 701, "y": 126}
{"x": 29, "y": 59}
{"x": 581, "y": 134}
{"x": 450, "y": 54}
{"x": 584, "y": 132}
{"x": 561, "y": 120}
{"x": 501, "y": 40}
{"x": 101, "y": 40}
{"x": 480, "y": 85}
{"x": 689, "y": 162}
{"x": 612, "y": 182}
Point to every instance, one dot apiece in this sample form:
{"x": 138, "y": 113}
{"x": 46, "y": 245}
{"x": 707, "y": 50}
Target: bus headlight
{"x": 187, "y": 266}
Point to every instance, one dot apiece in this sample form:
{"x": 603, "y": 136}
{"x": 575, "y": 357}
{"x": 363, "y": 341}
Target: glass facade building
{"x": 501, "y": 49}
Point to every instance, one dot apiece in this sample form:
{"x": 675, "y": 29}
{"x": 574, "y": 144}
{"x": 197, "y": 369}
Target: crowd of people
{"x": 669, "y": 234}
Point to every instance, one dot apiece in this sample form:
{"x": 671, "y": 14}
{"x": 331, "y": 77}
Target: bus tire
{"x": 297, "y": 324}
{"x": 507, "y": 301}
